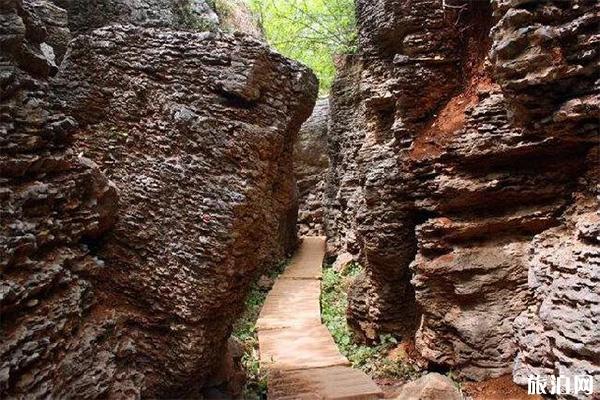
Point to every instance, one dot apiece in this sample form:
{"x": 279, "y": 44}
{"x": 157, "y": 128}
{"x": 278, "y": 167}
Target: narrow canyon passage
{"x": 159, "y": 164}
{"x": 296, "y": 349}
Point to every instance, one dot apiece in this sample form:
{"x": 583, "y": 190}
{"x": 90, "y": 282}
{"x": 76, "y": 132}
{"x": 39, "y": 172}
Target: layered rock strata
{"x": 54, "y": 202}
{"x": 132, "y": 228}
{"x": 87, "y": 15}
{"x": 311, "y": 163}
{"x": 52, "y": 23}
{"x": 475, "y": 125}
{"x": 546, "y": 58}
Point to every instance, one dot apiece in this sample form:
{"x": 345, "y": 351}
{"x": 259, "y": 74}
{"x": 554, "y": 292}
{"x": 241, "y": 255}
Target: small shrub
{"x": 373, "y": 360}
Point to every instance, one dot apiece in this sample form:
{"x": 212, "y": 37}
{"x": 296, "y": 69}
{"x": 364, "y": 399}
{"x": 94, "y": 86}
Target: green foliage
{"x": 371, "y": 359}
{"x": 310, "y": 31}
{"x": 453, "y": 376}
{"x": 245, "y": 330}
{"x": 256, "y": 384}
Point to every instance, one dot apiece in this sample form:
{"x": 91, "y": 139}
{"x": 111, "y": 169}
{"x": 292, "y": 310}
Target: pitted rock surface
{"x": 144, "y": 186}
{"x": 311, "y": 164}
{"x": 457, "y": 166}
{"x": 128, "y": 288}
{"x": 196, "y": 131}
{"x": 54, "y": 202}
{"x": 342, "y": 189}
{"x": 558, "y": 334}
{"x": 87, "y": 15}
{"x": 53, "y": 23}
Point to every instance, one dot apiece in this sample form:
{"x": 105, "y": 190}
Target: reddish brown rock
{"x": 432, "y": 386}
{"x": 546, "y": 59}
{"x": 204, "y": 169}
{"x": 54, "y": 203}
{"x": 311, "y": 164}
{"x": 128, "y": 289}
{"x": 453, "y": 162}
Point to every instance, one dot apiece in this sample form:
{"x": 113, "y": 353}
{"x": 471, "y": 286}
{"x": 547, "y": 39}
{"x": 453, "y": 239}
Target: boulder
{"x": 144, "y": 188}
{"x": 432, "y": 386}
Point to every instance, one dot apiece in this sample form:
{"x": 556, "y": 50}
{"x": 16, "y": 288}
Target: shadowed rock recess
{"x": 464, "y": 176}
{"x": 142, "y": 187}
{"x": 310, "y": 164}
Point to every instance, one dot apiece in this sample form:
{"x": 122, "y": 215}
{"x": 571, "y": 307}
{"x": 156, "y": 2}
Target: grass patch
{"x": 245, "y": 331}
{"x": 373, "y": 360}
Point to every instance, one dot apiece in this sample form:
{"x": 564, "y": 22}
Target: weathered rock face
{"x": 87, "y": 15}
{"x": 53, "y": 203}
{"x": 311, "y": 163}
{"x": 128, "y": 288}
{"x": 190, "y": 15}
{"x": 546, "y": 56}
{"x": 50, "y": 22}
{"x": 342, "y": 186}
{"x": 196, "y": 131}
{"x": 558, "y": 334}
{"x": 455, "y": 161}
{"x": 432, "y": 386}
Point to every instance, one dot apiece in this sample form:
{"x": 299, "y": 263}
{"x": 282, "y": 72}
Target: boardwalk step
{"x": 340, "y": 383}
{"x": 299, "y": 348}
{"x": 300, "y": 297}
{"x": 297, "y": 351}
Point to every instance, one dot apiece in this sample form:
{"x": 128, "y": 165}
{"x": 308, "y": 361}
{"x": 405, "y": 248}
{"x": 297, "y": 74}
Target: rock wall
{"x": 54, "y": 202}
{"x": 87, "y": 15}
{"x": 52, "y": 23}
{"x": 465, "y": 158}
{"x": 342, "y": 188}
{"x": 546, "y": 58}
{"x": 132, "y": 228}
{"x": 311, "y": 163}
{"x": 189, "y": 15}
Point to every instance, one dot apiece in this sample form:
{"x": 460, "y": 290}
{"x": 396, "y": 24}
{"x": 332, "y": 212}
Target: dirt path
{"x": 296, "y": 349}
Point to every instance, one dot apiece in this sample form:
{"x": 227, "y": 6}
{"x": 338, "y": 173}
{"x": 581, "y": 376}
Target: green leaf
{"x": 310, "y": 31}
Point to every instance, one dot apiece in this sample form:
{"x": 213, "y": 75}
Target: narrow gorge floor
{"x": 297, "y": 351}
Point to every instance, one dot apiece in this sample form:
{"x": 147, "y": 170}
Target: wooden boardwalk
{"x": 301, "y": 359}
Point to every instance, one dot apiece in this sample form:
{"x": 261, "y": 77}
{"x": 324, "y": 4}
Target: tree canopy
{"x": 310, "y": 31}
